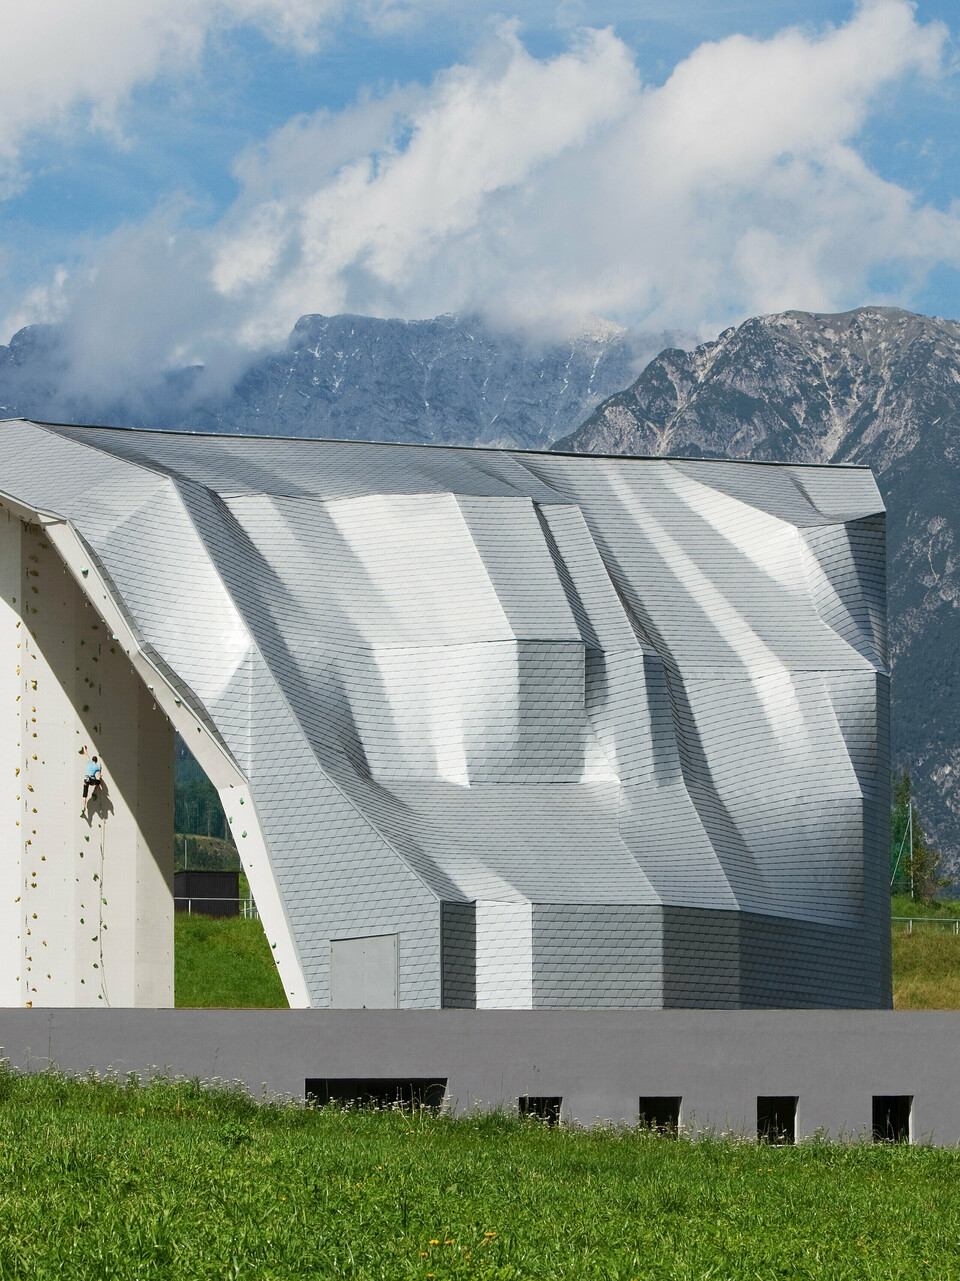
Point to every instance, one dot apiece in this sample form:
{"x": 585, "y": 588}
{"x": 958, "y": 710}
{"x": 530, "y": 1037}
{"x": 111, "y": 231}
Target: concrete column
{"x": 93, "y": 908}
{"x": 12, "y": 981}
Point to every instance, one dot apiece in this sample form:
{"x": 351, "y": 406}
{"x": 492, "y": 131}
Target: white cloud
{"x": 548, "y": 193}
{"x": 387, "y": 216}
{"x": 61, "y": 56}
{"x": 558, "y": 190}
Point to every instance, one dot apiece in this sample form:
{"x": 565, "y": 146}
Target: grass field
{"x": 904, "y": 905}
{"x": 105, "y": 1180}
{"x": 926, "y": 970}
{"x": 224, "y": 962}
{"x": 926, "y": 962}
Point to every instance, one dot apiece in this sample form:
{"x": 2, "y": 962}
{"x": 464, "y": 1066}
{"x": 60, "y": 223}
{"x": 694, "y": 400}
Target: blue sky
{"x": 181, "y": 179}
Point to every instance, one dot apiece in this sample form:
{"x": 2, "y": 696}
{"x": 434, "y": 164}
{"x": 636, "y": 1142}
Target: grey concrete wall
{"x": 599, "y": 1061}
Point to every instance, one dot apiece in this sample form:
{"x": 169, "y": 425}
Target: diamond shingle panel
{"x": 579, "y": 731}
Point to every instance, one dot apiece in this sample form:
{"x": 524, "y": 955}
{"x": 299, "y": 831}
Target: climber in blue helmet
{"x": 92, "y": 778}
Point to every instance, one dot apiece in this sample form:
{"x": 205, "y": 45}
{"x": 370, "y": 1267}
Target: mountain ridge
{"x": 447, "y": 380}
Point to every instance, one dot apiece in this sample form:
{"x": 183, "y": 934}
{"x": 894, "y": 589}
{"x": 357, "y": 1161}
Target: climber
{"x": 93, "y": 777}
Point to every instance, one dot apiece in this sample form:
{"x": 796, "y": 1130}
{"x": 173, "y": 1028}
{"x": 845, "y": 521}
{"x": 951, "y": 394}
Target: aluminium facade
{"x": 491, "y": 728}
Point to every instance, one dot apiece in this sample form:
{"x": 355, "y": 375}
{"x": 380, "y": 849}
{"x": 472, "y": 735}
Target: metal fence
{"x": 942, "y": 921}
{"x": 199, "y": 905}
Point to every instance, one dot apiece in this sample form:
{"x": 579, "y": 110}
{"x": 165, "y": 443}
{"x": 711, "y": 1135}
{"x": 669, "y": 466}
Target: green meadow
{"x": 177, "y": 1180}
{"x": 926, "y": 961}
{"x": 181, "y": 1180}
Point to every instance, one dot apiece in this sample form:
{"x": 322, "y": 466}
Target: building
{"x": 491, "y": 728}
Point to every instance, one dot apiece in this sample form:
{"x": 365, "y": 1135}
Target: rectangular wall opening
{"x": 204, "y": 840}
{"x": 376, "y": 1091}
{"x": 545, "y": 1107}
{"x": 777, "y": 1118}
{"x": 892, "y": 1118}
{"x": 660, "y": 1112}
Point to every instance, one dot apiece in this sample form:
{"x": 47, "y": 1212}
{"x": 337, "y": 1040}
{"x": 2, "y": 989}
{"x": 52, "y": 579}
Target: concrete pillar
{"x": 86, "y": 914}
{"x": 11, "y": 762}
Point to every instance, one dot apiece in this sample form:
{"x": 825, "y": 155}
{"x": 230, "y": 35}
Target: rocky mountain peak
{"x": 812, "y": 388}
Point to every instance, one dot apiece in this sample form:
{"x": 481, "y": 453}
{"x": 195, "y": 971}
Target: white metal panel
{"x": 504, "y": 956}
{"x": 364, "y": 973}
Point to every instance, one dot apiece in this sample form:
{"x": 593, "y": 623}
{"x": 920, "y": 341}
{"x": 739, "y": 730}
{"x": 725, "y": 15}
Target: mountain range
{"x": 447, "y": 381}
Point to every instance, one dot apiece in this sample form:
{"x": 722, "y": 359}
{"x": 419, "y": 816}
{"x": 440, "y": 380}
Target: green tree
{"x": 197, "y": 809}
{"x": 914, "y": 862}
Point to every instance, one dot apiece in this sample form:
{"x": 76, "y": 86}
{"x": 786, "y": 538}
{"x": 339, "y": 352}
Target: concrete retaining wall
{"x": 600, "y": 1062}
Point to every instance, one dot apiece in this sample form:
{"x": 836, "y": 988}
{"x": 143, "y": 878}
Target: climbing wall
{"x": 86, "y": 889}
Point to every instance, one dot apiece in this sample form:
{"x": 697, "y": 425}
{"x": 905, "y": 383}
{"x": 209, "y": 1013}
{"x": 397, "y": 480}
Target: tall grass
{"x": 904, "y": 905}
{"x": 926, "y": 969}
{"x": 180, "y": 1181}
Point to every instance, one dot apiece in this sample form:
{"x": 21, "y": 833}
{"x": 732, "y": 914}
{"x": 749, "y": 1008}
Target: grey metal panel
{"x": 647, "y": 697}
{"x": 364, "y": 973}
{"x": 597, "y": 955}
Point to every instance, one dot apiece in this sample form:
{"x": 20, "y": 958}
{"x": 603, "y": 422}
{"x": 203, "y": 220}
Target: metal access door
{"x": 364, "y": 973}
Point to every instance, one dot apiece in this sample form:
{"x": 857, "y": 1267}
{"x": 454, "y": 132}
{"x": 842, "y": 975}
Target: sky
{"x": 180, "y": 180}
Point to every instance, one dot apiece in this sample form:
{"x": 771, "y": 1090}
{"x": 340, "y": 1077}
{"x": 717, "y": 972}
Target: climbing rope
{"x": 102, "y": 904}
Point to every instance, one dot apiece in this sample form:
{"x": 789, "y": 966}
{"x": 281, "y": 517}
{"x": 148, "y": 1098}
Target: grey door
{"x": 364, "y": 973}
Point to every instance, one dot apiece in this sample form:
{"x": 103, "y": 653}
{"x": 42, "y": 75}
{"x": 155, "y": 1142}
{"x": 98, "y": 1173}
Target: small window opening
{"x": 892, "y": 1117}
{"x": 660, "y": 1112}
{"x": 377, "y": 1092}
{"x": 545, "y": 1107}
{"x": 777, "y": 1118}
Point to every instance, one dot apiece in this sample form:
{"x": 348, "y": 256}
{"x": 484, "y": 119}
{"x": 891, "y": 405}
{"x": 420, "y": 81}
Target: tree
{"x": 914, "y": 863}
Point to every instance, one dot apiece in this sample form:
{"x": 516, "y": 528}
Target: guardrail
{"x": 952, "y": 921}
{"x": 193, "y": 902}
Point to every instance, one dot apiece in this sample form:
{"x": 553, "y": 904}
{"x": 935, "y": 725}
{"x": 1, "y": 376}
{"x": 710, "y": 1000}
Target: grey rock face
{"x": 449, "y": 381}
{"x": 877, "y": 385}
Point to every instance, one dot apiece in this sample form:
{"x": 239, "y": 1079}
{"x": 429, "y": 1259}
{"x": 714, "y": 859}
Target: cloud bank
{"x": 64, "y": 63}
{"x": 544, "y": 193}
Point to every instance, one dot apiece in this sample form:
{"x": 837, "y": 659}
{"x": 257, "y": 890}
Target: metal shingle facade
{"x": 581, "y": 731}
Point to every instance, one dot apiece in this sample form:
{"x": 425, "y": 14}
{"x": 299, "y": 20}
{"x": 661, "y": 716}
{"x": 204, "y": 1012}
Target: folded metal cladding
{"x": 580, "y": 731}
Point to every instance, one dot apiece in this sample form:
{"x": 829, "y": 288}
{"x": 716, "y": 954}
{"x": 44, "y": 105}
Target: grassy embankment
{"x": 221, "y": 962}
{"x": 177, "y": 1181}
{"x": 224, "y": 962}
